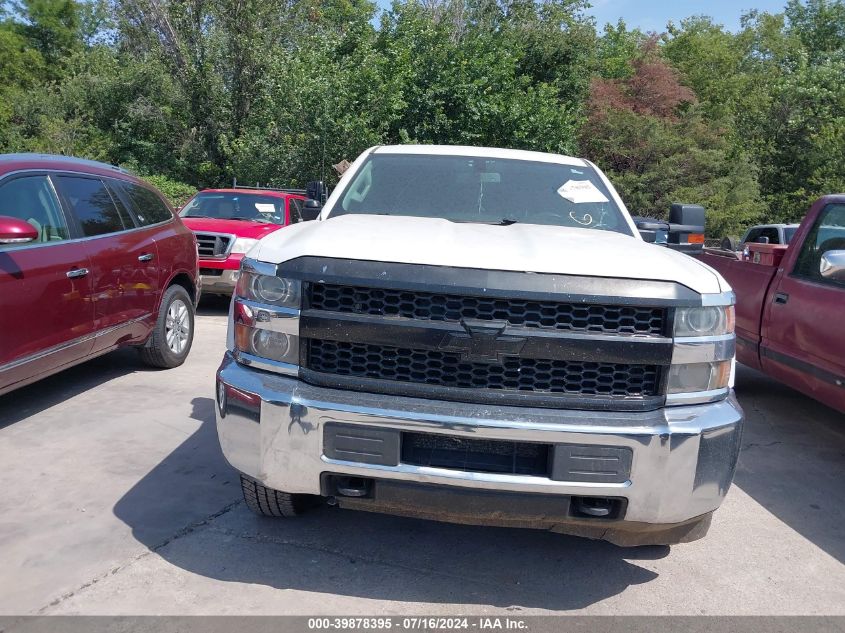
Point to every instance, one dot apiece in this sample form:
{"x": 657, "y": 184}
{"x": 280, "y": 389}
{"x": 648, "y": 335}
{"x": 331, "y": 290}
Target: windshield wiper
{"x": 341, "y": 213}
{"x": 502, "y": 222}
{"x": 242, "y": 219}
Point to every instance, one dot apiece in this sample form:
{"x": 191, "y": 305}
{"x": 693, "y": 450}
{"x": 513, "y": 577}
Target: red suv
{"x": 228, "y": 222}
{"x": 91, "y": 258}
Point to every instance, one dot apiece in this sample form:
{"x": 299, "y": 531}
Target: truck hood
{"x": 241, "y": 228}
{"x": 518, "y": 247}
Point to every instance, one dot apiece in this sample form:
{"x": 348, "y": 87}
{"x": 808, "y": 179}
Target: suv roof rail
{"x": 62, "y": 159}
{"x": 257, "y": 187}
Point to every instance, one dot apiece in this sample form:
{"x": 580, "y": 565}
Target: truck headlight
{"x": 243, "y": 244}
{"x": 276, "y": 346}
{"x": 269, "y": 289}
{"x": 702, "y": 356}
{"x": 695, "y": 377}
{"x": 704, "y": 321}
{"x": 265, "y": 315}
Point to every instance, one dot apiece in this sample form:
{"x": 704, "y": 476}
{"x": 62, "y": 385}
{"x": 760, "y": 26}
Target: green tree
{"x": 796, "y": 62}
{"x": 471, "y": 84}
{"x": 653, "y": 139}
{"x": 819, "y": 25}
{"x": 710, "y": 61}
{"x": 616, "y": 49}
{"x": 53, "y": 28}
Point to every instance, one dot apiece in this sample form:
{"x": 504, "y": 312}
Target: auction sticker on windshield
{"x": 581, "y": 191}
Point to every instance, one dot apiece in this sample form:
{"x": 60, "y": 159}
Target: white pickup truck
{"x": 482, "y": 336}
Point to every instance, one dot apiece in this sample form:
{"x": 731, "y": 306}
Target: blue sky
{"x": 652, "y": 15}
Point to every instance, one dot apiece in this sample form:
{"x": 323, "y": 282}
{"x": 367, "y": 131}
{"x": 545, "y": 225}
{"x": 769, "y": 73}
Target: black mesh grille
{"x": 483, "y": 456}
{"x": 514, "y": 374}
{"x": 431, "y": 306}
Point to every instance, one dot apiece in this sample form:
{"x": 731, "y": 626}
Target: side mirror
{"x": 832, "y": 265}
{"x": 15, "y": 231}
{"x": 311, "y": 209}
{"x": 686, "y": 227}
{"x": 316, "y": 190}
{"x": 683, "y": 232}
{"x": 761, "y": 240}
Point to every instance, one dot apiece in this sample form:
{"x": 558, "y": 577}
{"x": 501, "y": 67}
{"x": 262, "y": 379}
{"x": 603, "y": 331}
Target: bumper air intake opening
{"x": 472, "y": 455}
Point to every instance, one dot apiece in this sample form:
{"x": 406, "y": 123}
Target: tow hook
{"x": 353, "y": 487}
{"x": 593, "y": 506}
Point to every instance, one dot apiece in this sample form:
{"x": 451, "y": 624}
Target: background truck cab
{"x": 789, "y": 302}
{"x": 228, "y": 222}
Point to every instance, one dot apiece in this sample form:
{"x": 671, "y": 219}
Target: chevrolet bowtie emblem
{"x": 482, "y": 341}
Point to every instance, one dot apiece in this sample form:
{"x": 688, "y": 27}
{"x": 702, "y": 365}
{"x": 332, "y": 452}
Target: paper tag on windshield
{"x": 581, "y": 191}
{"x": 265, "y": 208}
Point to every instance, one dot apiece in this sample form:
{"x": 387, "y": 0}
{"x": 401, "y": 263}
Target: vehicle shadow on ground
{"x": 793, "y": 459}
{"x": 359, "y": 554}
{"x": 48, "y": 392}
{"x": 213, "y": 305}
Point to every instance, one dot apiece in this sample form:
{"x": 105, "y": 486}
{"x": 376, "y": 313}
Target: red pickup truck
{"x": 229, "y": 222}
{"x": 789, "y": 302}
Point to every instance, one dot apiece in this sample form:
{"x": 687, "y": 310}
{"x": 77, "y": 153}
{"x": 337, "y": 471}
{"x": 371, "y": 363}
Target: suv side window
{"x": 120, "y": 202}
{"x": 295, "y": 207}
{"x": 148, "y": 207}
{"x": 828, "y": 234}
{"x": 92, "y": 204}
{"x": 31, "y": 199}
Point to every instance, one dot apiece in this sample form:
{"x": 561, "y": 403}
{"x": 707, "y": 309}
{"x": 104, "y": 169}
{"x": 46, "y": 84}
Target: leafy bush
{"x": 177, "y": 192}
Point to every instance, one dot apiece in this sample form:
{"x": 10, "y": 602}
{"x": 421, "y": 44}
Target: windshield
{"x": 485, "y": 190}
{"x": 236, "y": 206}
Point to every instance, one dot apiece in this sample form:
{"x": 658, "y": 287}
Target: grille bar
{"x": 521, "y": 341}
{"x": 213, "y": 245}
{"x": 512, "y": 374}
{"x": 430, "y": 306}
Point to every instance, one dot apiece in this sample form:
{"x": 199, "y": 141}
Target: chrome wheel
{"x": 177, "y": 326}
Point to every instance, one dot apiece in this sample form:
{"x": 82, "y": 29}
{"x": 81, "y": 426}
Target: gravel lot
{"x": 116, "y": 500}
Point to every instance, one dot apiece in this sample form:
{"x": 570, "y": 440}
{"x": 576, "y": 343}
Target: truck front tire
{"x": 272, "y": 503}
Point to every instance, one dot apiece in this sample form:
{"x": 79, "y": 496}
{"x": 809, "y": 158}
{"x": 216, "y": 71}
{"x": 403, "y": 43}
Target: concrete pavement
{"x": 116, "y": 500}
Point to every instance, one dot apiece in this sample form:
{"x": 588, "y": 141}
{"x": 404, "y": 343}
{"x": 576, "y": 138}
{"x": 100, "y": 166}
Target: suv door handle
{"x": 146, "y": 257}
{"x": 781, "y": 297}
{"x": 76, "y": 273}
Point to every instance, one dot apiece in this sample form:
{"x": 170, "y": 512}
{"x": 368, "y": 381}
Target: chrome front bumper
{"x": 271, "y": 428}
{"x": 223, "y": 284}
